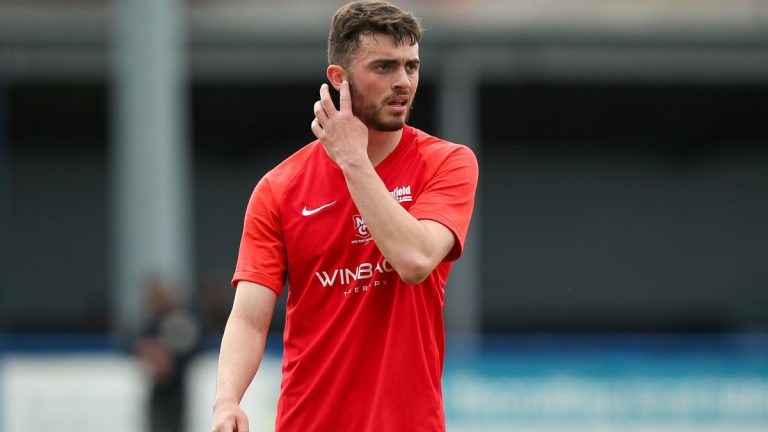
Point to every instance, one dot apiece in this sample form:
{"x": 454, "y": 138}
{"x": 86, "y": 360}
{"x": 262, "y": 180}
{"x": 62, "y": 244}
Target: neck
{"x": 381, "y": 144}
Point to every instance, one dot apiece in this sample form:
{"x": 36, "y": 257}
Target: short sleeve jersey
{"x": 363, "y": 350}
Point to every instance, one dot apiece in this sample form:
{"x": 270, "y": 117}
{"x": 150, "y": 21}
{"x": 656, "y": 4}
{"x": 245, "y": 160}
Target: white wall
{"x": 71, "y": 393}
{"x": 107, "y": 392}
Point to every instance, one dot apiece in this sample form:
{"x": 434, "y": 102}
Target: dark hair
{"x": 368, "y": 17}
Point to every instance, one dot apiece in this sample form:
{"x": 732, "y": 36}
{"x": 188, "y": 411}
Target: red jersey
{"x": 363, "y": 350}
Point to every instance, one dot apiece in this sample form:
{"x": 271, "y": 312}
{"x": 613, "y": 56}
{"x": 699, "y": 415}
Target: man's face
{"x": 383, "y": 80}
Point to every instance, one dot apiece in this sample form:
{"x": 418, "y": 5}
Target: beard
{"x": 373, "y": 115}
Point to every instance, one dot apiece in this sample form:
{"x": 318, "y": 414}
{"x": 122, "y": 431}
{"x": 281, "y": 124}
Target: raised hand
{"x": 344, "y": 136}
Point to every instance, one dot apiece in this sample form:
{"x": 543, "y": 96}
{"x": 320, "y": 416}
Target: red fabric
{"x": 363, "y": 350}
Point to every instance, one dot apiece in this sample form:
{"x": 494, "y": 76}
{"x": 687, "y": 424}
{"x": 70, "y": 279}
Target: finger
{"x": 320, "y": 112}
{"x": 226, "y": 426}
{"x": 317, "y": 129}
{"x": 242, "y": 424}
{"x": 345, "y": 101}
{"x": 326, "y": 102}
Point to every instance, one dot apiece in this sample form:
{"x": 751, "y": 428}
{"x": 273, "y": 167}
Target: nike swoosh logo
{"x": 306, "y": 212}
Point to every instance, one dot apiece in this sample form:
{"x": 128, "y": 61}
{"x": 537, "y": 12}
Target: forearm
{"x": 242, "y": 349}
{"x": 406, "y": 243}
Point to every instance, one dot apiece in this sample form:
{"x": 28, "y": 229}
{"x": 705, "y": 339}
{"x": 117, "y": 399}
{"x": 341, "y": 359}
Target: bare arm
{"x": 242, "y": 349}
{"x": 413, "y": 247}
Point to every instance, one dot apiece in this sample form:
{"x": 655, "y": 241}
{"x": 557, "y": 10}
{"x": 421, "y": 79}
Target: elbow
{"x": 414, "y": 270}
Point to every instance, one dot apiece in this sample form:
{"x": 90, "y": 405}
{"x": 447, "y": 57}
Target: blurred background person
{"x": 165, "y": 348}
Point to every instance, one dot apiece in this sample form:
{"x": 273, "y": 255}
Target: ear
{"x": 336, "y": 74}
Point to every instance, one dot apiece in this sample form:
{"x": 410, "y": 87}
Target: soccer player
{"x": 364, "y": 223}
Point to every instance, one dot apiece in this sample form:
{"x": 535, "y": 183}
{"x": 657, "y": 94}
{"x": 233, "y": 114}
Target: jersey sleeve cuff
{"x": 458, "y": 248}
{"x": 259, "y": 278}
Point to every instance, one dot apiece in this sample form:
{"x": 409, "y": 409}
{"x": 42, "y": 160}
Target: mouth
{"x": 398, "y": 103}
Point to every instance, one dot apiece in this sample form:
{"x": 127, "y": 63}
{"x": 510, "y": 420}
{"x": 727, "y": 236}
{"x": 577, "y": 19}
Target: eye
{"x": 412, "y": 67}
{"x": 383, "y": 67}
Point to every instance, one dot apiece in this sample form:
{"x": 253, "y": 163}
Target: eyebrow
{"x": 394, "y": 62}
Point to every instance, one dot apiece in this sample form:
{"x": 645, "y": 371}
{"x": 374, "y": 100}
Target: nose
{"x": 401, "y": 80}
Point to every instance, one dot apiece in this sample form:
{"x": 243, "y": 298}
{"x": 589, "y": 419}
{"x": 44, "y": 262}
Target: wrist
{"x": 221, "y": 402}
{"x": 355, "y": 166}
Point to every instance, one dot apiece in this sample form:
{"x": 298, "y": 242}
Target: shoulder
{"x": 279, "y": 177}
{"x": 436, "y": 151}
